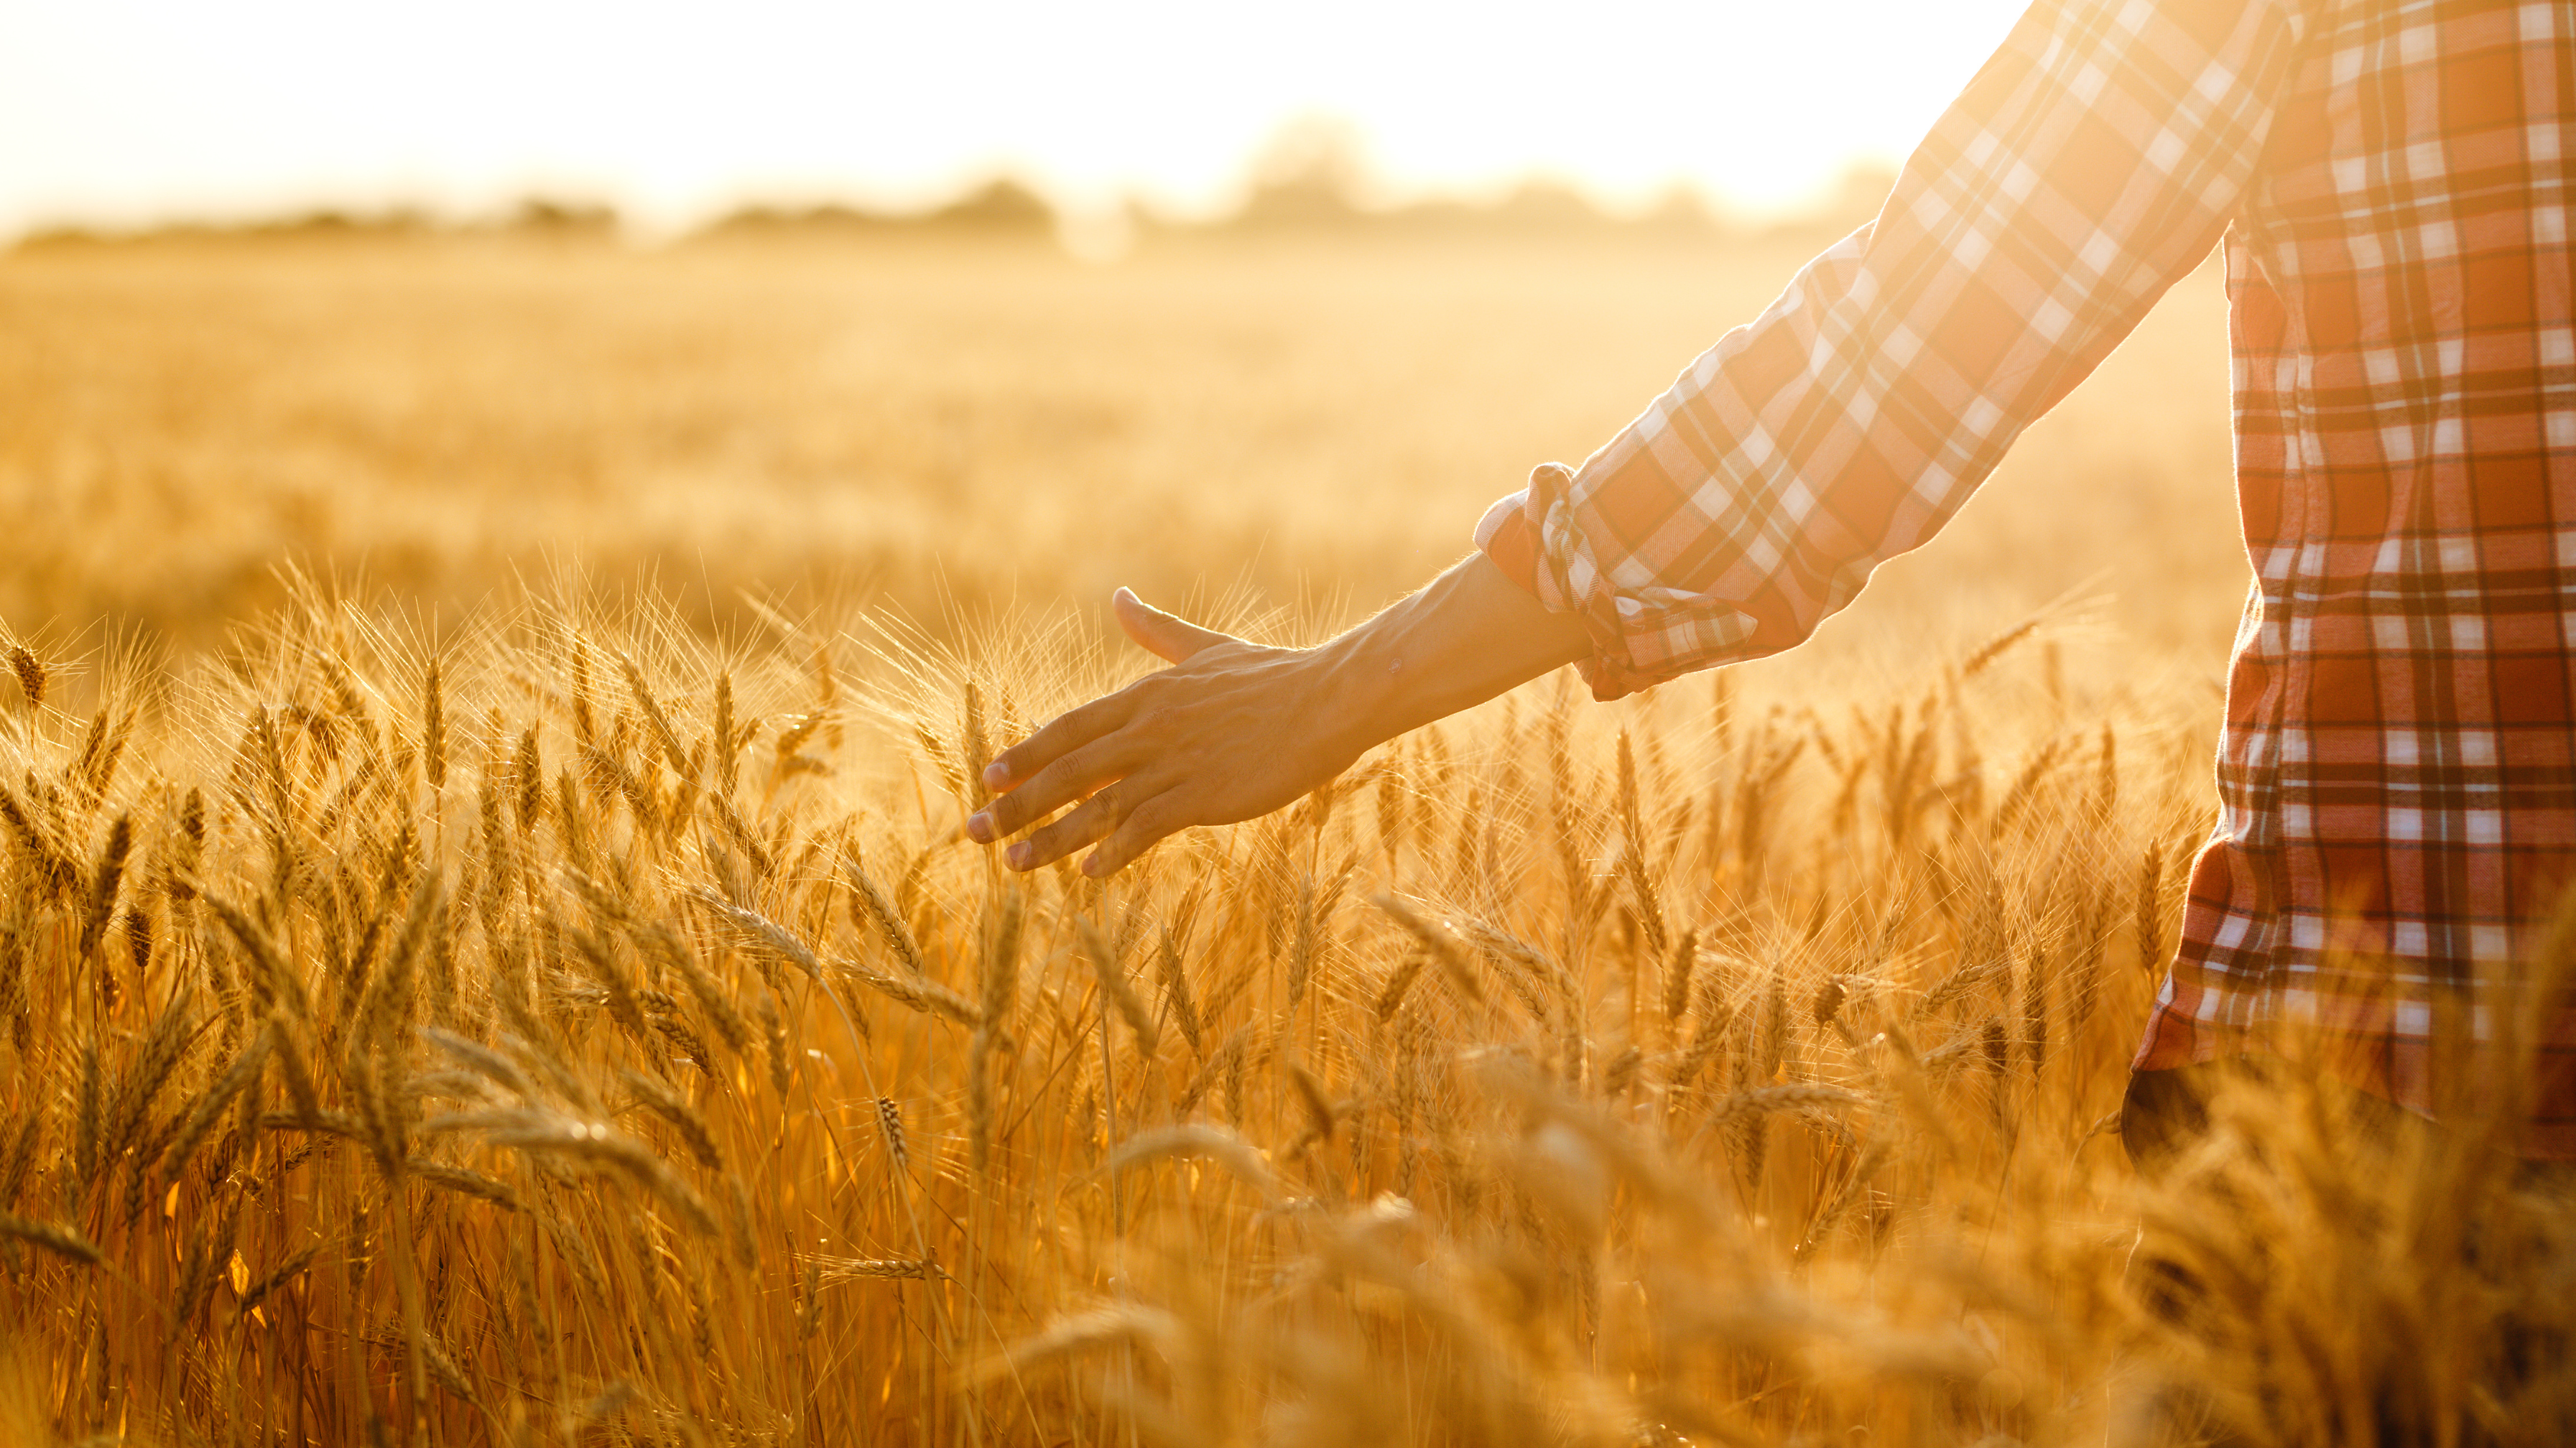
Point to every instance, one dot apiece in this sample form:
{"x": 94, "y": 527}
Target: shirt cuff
{"x": 1513, "y": 534}
{"x": 1507, "y": 536}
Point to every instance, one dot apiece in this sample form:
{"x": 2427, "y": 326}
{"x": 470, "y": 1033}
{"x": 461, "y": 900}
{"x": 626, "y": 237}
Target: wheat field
{"x": 487, "y": 953}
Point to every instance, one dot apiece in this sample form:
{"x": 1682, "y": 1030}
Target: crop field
{"x": 488, "y": 955}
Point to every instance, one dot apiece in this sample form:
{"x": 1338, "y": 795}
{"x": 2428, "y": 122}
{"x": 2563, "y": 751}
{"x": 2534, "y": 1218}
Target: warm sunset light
{"x": 1359, "y": 724}
{"x": 131, "y": 111}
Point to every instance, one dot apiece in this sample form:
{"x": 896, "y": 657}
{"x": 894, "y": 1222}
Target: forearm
{"x": 1468, "y": 636}
{"x": 2092, "y": 163}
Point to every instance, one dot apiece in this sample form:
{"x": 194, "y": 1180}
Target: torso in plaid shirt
{"x": 2398, "y": 772}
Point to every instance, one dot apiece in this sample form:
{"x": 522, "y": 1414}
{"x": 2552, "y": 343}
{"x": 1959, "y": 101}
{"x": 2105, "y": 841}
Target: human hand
{"x": 1231, "y": 731}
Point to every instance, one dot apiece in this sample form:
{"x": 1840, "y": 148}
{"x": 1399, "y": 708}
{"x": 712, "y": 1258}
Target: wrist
{"x": 1361, "y": 683}
{"x": 1470, "y": 635}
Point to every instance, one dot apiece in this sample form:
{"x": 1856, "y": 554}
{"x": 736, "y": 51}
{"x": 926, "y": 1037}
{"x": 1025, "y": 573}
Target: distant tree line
{"x": 535, "y": 216}
{"x": 1312, "y": 179}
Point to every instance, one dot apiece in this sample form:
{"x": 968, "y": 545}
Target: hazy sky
{"x": 116, "y": 111}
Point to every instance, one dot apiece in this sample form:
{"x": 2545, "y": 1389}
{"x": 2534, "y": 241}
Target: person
{"x": 2397, "y": 769}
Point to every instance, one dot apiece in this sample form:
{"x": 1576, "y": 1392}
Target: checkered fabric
{"x": 2398, "y": 771}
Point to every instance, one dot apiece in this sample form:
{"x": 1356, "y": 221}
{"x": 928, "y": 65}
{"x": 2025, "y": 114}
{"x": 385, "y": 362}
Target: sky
{"x": 120, "y": 113}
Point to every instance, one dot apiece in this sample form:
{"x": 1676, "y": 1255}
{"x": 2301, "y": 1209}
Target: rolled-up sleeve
{"x": 2093, "y": 161}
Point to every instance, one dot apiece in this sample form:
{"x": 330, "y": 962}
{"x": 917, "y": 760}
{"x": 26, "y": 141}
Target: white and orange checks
{"x": 2398, "y": 770}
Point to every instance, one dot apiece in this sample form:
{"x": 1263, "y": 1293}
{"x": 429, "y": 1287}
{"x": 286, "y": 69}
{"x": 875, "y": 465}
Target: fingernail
{"x": 979, "y": 828}
{"x": 1019, "y": 856}
{"x": 995, "y": 776}
{"x": 1091, "y": 866}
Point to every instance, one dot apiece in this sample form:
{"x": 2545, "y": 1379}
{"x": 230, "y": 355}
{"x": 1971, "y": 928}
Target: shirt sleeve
{"x": 2094, "y": 160}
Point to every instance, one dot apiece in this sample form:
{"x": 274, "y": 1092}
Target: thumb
{"x": 1159, "y": 633}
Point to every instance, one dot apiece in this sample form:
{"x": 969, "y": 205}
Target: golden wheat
{"x": 584, "y": 1021}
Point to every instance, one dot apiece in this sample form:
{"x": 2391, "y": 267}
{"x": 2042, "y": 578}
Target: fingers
{"x": 1064, "y": 734}
{"x": 1079, "y": 752}
{"x": 1095, "y": 818}
{"x": 1050, "y": 789}
{"x": 1168, "y": 638}
{"x": 1144, "y": 826}
{"x": 1130, "y": 829}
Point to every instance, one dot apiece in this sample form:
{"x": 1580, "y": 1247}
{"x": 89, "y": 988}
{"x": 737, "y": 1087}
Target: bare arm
{"x": 1234, "y": 729}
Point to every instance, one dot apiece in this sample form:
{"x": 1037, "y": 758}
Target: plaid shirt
{"x": 2397, "y": 776}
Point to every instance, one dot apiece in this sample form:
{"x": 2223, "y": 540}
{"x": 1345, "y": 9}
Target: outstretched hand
{"x": 1234, "y": 729}
{"x": 1230, "y": 731}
